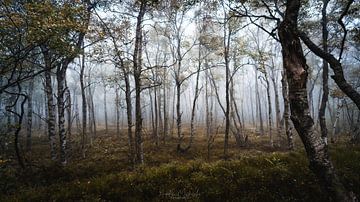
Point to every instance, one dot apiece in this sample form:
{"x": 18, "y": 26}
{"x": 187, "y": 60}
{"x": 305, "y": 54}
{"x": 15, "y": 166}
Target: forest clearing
{"x": 190, "y": 100}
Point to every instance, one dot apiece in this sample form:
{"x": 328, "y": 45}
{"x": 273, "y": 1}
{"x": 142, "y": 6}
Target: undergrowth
{"x": 105, "y": 175}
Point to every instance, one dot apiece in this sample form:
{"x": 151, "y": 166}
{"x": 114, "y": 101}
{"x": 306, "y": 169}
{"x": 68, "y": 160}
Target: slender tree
{"x": 325, "y": 73}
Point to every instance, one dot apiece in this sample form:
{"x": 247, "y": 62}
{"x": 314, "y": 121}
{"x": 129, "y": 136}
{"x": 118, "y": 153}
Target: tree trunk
{"x": 50, "y": 104}
{"x": 277, "y": 110}
{"x": 252, "y": 108}
{"x": 91, "y": 125}
{"x": 312, "y": 86}
{"x": 129, "y": 115}
{"x": 270, "y": 110}
{"x": 209, "y": 112}
{"x": 40, "y": 110}
{"x": 178, "y": 113}
{"x": 165, "y": 108}
{"x": 60, "y": 77}
{"x": 117, "y": 106}
{"x": 29, "y": 116}
{"x": 105, "y": 111}
{"x": 46, "y": 128}
{"x": 355, "y": 137}
{"x": 92, "y": 121}
{"x": 173, "y": 110}
{"x": 83, "y": 105}
{"x": 196, "y": 96}
{"x": 234, "y": 110}
{"x": 226, "y": 43}
{"x": 295, "y": 64}
{"x": 159, "y": 113}
{"x": 138, "y": 122}
{"x": 269, "y": 107}
{"x": 76, "y": 112}
{"x": 286, "y": 115}
{"x": 137, "y": 58}
{"x": 258, "y": 103}
{"x": 337, "y": 116}
{"x": 19, "y": 118}
{"x": 156, "y": 109}
{"x": 152, "y": 115}
{"x": 239, "y": 137}
{"x": 325, "y": 76}
{"x": 68, "y": 111}
{"x": 178, "y": 83}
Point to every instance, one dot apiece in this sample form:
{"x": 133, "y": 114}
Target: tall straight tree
{"x": 226, "y": 43}
{"x": 325, "y": 73}
{"x": 83, "y": 103}
{"x": 51, "y": 113}
{"x": 137, "y": 70}
{"x": 29, "y": 115}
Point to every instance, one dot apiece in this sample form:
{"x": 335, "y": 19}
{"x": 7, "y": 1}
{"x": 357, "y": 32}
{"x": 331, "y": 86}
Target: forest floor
{"x": 255, "y": 172}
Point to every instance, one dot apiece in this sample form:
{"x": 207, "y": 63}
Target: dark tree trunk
{"x": 325, "y": 75}
{"x": 258, "y": 103}
{"x": 269, "y": 106}
{"x": 138, "y": 121}
{"x": 137, "y": 58}
{"x": 178, "y": 83}
{"x": 105, "y": 111}
{"x": 152, "y": 114}
{"x": 29, "y": 116}
{"x": 129, "y": 115}
{"x": 355, "y": 138}
{"x": 297, "y": 72}
{"x": 76, "y": 111}
{"x": 252, "y": 108}
{"x": 165, "y": 108}
{"x": 173, "y": 110}
{"x": 156, "y": 113}
{"x": 155, "y": 116}
{"x": 83, "y": 105}
{"x": 19, "y": 118}
{"x": 235, "y": 116}
{"x": 196, "y": 96}
{"x": 277, "y": 108}
{"x": 178, "y": 113}
{"x": 226, "y": 43}
{"x": 117, "y": 106}
{"x": 92, "y": 118}
{"x": 159, "y": 113}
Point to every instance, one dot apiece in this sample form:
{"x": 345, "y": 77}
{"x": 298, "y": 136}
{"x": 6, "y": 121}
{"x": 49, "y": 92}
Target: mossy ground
{"x": 255, "y": 172}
